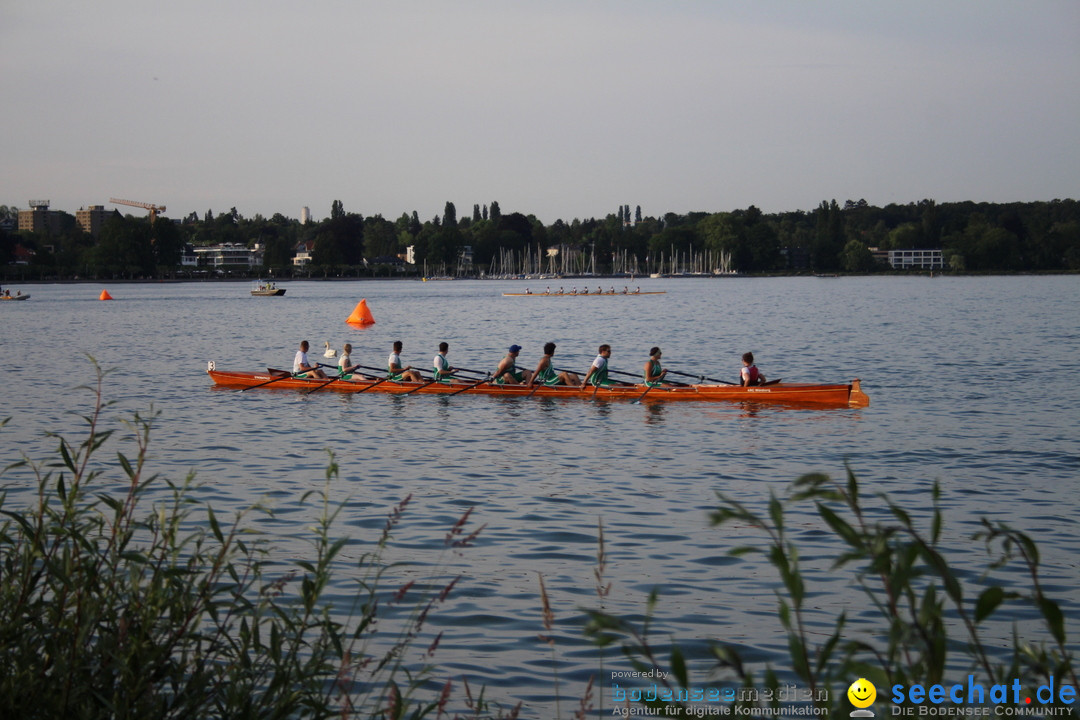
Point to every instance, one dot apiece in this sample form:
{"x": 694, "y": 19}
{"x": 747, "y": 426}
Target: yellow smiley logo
{"x": 862, "y": 693}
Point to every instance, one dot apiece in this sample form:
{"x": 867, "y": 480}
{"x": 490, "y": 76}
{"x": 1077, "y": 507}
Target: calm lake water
{"x": 972, "y": 381}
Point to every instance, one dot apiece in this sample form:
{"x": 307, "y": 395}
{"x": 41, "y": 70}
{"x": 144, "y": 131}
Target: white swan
{"x": 330, "y": 352}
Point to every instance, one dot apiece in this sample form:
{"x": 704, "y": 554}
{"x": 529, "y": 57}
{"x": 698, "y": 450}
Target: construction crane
{"x": 154, "y": 209}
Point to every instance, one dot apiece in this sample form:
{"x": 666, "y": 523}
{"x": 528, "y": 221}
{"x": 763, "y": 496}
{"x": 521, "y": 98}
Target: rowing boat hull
{"x": 803, "y": 394}
{"x": 592, "y": 294}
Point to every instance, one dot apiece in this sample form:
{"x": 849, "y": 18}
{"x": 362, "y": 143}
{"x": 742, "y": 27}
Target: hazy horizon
{"x": 563, "y": 110}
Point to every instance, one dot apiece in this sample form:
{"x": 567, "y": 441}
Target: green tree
{"x": 167, "y": 243}
{"x": 856, "y": 257}
{"x": 125, "y": 248}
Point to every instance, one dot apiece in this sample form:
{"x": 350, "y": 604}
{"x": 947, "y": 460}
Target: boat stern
{"x": 856, "y": 397}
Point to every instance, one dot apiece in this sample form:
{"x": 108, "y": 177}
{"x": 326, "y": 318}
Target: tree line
{"x": 973, "y": 237}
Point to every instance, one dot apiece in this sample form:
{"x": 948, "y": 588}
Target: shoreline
{"x": 161, "y": 281}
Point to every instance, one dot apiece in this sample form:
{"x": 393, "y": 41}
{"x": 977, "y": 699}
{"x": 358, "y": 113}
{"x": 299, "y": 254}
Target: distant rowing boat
{"x": 583, "y": 294}
{"x": 794, "y": 394}
{"x": 15, "y": 297}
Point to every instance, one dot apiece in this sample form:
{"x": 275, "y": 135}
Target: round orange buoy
{"x": 361, "y": 315}
{"x": 104, "y": 295}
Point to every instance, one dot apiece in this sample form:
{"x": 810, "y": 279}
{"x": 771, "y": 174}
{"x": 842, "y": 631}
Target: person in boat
{"x": 625, "y": 290}
{"x": 508, "y": 373}
{"x": 346, "y": 368}
{"x": 598, "y": 371}
{"x": 654, "y": 373}
{"x": 749, "y": 374}
{"x": 302, "y": 366}
{"x": 394, "y": 371}
{"x": 443, "y": 370}
{"x": 545, "y": 374}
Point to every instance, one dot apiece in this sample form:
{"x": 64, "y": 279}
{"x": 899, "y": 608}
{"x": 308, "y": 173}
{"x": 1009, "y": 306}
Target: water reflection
{"x": 542, "y": 471}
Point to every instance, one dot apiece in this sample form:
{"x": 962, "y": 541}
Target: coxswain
{"x": 749, "y": 374}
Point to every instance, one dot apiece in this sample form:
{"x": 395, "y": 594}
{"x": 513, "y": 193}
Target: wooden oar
{"x": 620, "y": 382}
{"x": 317, "y": 389}
{"x": 274, "y": 380}
{"x": 701, "y": 377}
{"x": 474, "y": 372}
{"x": 470, "y": 387}
{"x": 639, "y": 397}
{"x": 377, "y": 382}
{"x": 421, "y": 387}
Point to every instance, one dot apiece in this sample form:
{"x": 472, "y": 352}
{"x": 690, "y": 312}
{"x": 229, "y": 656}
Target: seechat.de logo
{"x": 862, "y": 694}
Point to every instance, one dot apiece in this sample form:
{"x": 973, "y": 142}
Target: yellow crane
{"x": 154, "y": 209}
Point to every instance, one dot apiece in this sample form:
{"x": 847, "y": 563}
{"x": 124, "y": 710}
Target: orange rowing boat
{"x": 803, "y": 394}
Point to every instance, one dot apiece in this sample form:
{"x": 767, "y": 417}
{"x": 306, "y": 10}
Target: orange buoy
{"x": 104, "y": 295}
{"x": 361, "y": 315}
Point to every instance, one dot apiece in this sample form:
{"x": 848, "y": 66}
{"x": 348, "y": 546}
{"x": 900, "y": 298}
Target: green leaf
{"x": 214, "y": 527}
{"x": 839, "y": 525}
{"x": 988, "y": 601}
{"x": 678, "y": 666}
{"x": 776, "y": 512}
{"x": 852, "y": 488}
{"x": 1054, "y": 619}
{"x": 124, "y": 463}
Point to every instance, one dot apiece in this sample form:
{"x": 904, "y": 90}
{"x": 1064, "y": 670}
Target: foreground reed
{"x": 126, "y": 598}
{"x": 928, "y": 625}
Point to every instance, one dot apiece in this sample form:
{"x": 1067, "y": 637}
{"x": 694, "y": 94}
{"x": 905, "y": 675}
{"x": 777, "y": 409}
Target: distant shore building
{"x": 217, "y": 256}
{"x": 92, "y": 218}
{"x": 39, "y": 218}
{"x": 916, "y": 260}
{"x": 305, "y": 215}
{"x": 302, "y": 253}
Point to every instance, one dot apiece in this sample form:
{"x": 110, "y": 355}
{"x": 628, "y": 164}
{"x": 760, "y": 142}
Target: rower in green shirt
{"x": 443, "y": 371}
{"x": 654, "y": 373}
{"x": 598, "y": 371}
{"x": 545, "y": 374}
{"x": 508, "y": 373}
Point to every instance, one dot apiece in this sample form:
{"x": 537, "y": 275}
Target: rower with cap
{"x": 508, "y": 372}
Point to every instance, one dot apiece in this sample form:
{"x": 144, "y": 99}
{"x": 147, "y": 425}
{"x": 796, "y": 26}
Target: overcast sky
{"x": 560, "y": 109}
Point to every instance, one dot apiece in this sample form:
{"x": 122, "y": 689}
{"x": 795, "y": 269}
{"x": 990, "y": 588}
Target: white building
{"x": 916, "y": 259}
{"x": 305, "y": 215}
{"x": 230, "y": 254}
